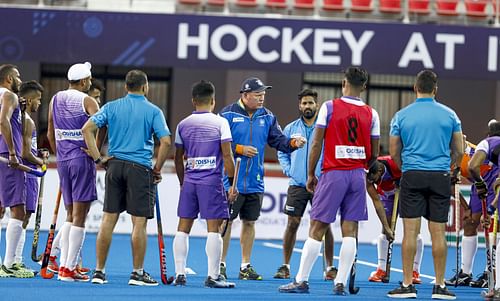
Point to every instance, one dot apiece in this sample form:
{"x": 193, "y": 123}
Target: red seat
{"x": 247, "y": 3}
{"x": 390, "y": 6}
{"x": 333, "y": 5}
{"x": 276, "y": 3}
{"x": 476, "y": 8}
{"x": 216, "y": 2}
{"x": 190, "y": 2}
{"x": 304, "y": 4}
{"x": 361, "y": 5}
{"x": 447, "y": 7}
{"x": 419, "y": 7}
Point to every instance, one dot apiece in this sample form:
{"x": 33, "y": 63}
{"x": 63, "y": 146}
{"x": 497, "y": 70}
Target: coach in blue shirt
{"x": 422, "y": 137}
{"x": 132, "y": 121}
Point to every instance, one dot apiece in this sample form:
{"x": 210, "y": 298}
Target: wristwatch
{"x": 98, "y": 160}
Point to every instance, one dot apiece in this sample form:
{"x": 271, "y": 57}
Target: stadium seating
{"x": 276, "y": 3}
{"x": 419, "y": 7}
{"x": 476, "y": 8}
{"x": 333, "y": 5}
{"x": 304, "y": 4}
{"x": 447, "y": 7}
{"x": 390, "y": 6}
{"x": 361, "y": 6}
{"x": 246, "y": 3}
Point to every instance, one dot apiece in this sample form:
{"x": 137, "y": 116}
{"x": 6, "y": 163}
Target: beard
{"x": 15, "y": 87}
{"x": 308, "y": 114}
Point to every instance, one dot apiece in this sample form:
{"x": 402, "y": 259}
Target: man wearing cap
{"x": 252, "y": 127}
{"x": 68, "y": 112}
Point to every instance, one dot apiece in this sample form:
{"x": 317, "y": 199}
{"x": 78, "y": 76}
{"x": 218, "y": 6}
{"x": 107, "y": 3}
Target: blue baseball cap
{"x": 253, "y": 84}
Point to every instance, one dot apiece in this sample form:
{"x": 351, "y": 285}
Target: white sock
{"x": 213, "y": 248}
{"x": 469, "y": 249}
{"x": 497, "y": 269}
{"x": 418, "y": 254}
{"x": 1, "y": 237}
{"x": 244, "y": 265}
{"x": 18, "y": 258}
{"x": 310, "y": 253}
{"x": 64, "y": 243}
{"x": 181, "y": 249}
{"x": 346, "y": 259}
{"x": 56, "y": 244}
{"x": 12, "y": 236}
{"x": 76, "y": 237}
{"x": 382, "y": 246}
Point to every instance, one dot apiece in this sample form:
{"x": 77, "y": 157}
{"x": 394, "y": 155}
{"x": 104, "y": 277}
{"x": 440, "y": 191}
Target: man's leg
{"x": 348, "y": 250}
{"x": 213, "y": 247}
{"x": 246, "y": 240}
{"x": 311, "y": 249}
{"x": 411, "y": 228}
{"x": 329, "y": 247}
{"x": 65, "y": 229}
{"x": 13, "y": 234}
{"x": 439, "y": 250}
{"x": 139, "y": 239}
{"x": 20, "y": 245}
{"x": 226, "y": 239}
{"x": 181, "y": 248}
{"x": 77, "y": 233}
{"x": 104, "y": 239}
{"x": 289, "y": 237}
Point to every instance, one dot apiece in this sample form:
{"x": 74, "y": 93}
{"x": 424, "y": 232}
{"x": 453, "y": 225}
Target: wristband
{"x": 293, "y": 143}
{"x": 239, "y": 149}
{"x": 231, "y": 180}
{"x": 10, "y": 155}
{"x": 98, "y": 160}
{"x": 491, "y": 210}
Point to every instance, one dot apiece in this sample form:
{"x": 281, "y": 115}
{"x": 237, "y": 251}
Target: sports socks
{"x": 181, "y": 249}
{"x": 76, "y": 238}
{"x": 469, "y": 249}
{"x": 56, "y": 244}
{"x": 18, "y": 258}
{"x": 382, "y": 246}
{"x": 12, "y": 236}
{"x": 346, "y": 259}
{"x": 418, "y": 254}
{"x": 310, "y": 253}
{"x": 64, "y": 243}
{"x": 497, "y": 270}
{"x": 213, "y": 249}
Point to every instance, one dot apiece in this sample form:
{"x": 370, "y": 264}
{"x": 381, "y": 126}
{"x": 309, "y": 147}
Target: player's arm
{"x": 474, "y": 166}
{"x": 90, "y": 104}
{"x": 379, "y": 209}
{"x": 179, "y": 163}
{"x": 314, "y": 154}
{"x": 89, "y": 131}
{"x": 395, "y": 149}
{"x": 457, "y": 148}
{"x": 9, "y": 103}
{"x": 50, "y": 129}
{"x": 276, "y": 139}
{"x": 227, "y": 155}
{"x": 27, "y": 140}
{"x": 162, "y": 153}
{"x": 375, "y": 145}
{"x": 285, "y": 158}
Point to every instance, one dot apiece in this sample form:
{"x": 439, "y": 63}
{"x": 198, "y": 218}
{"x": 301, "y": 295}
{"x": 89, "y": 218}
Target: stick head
{"x": 46, "y": 274}
{"x": 354, "y": 291}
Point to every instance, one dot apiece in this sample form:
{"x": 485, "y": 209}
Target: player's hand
{"x": 156, "y": 175}
{"x": 486, "y": 221}
{"x": 13, "y": 161}
{"x": 298, "y": 142}
{"x": 246, "y": 150}
{"x": 482, "y": 189}
{"x": 389, "y": 234}
{"x": 44, "y": 153}
{"x": 455, "y": 176}
{"x": 105, "y": 160}
{"x": 232, "y": 194}
{"x": 312, "y": 181}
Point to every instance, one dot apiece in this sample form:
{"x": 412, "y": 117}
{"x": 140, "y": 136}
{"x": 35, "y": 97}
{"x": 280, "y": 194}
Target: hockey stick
{"x": 225, "y": 223}
{"x": 494, "y": 246}
{"x": 489, "y": 262}
{"x": 26, "y": 168}
{"x": 394, "y": 219}
{"x": 36, "y": 231}
{"x": 161, "y": 244}
{"x": 353, "y": 290}
{"x": 48, "y": 247}
{"x": 457, "y": 231}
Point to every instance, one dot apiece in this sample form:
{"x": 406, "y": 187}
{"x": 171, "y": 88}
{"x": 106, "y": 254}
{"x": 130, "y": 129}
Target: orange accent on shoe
{"x": 53, "y": 266}
{"x": 377, "y": 276}
{"x": 416, "y": 278}
{"x": 82, "y": 270}
{"x": 73, "y": 275}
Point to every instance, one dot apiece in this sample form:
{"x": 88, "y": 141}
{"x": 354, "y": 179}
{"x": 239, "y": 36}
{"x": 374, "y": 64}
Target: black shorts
{"x": 297, "y": 198}
{"x": 425, "y": 193}
{"x": 247, "y": 206}
{"x": 129, "y": 186}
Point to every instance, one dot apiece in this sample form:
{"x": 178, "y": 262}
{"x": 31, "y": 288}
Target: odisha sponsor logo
{"x": 204, "y": 161}
{"x": 355, "y": 151}
{"x": 71, "y": 133}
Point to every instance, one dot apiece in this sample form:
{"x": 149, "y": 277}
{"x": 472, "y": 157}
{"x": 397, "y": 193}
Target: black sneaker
{"x": 442, "y": 293}
{"x": 491, "y": 295}
{"x": 220, "y": 282}
{"x": 481, "y": 281}
{"x": 339, "y": 290}
{"x": 222, "y": 270}
{"x": 282, "y": 273}
{"x": 5, "y": 272}
{"x": 301, "y": 287}
{"x": 99, "y": 277}
{"x": 249, "y": 273}
{"x": 463, "y": 279}
{"x": 402, "y": 292}
{"x": 180, "y": 280}
{"x": 142, "y": 280}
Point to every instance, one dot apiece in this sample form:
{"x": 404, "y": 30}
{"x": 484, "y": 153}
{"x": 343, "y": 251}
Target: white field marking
{"x": 277, "y": 246}
{"x": 190, "y": 271}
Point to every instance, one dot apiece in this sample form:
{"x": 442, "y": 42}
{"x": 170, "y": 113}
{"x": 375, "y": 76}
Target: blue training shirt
{"x": 425, "y": 128}
{"x": 132, "y": 120}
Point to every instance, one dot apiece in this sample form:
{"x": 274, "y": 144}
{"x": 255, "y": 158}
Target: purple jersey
{"x": 201, "y": 135}
{"x": 69, "y": 117}
{"x": 34, "y": 151}
{"x": 15, "y": 123}
{"x": 491, "y": 146}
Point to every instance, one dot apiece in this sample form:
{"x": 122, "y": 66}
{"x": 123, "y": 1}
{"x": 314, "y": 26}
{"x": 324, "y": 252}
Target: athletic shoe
{"x": 53, "y": 266}
{"x": 416, "y": 278}
{"x": 222, "y": 270}
{"x": 301, "y": 287}
{"x": 442, "y": 293}
{"x": 282, "y": 273}
{"x": 249, "y": 273}
{"x": 5, "y": 272}
{"x": 99, "y": 278}
{"x": 220, "y": 282}
{"x": 491, "y": 295}
{"x": 142, "y": 280}
{"x": 82, "y": 270}
{"x": 330, "y": 274}
{"x": 402, "y": 292}
{"x": 339, "y": 290}
{"x": 377, "y": 276}
{"x": 180, "y": 280}
{"x": 59, "y": 272}
{"x": 20, "y": 271}
{"x": 481, "y": 281}
{"x": 463, "y": 279}
{"x": 21, "y": 265}
{"x": 72, "y": 275}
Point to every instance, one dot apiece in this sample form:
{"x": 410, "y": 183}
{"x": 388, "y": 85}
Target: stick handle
{"x": 27, "y": 169}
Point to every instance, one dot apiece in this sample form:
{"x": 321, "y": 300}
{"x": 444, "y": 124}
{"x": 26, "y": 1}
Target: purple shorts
{"x": 208, "y": 200}
{"x": 12, "y": 189}
{"x": 340, "y": 189}
{"x": 388, "y": 202}
{"x": 475, "y": 201}
{"x": 31, "y": 193}
{"x": 77, "y": 179}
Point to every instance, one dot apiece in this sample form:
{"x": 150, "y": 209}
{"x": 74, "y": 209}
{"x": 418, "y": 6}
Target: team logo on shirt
{"x": 238, "y": 119}
{"x": 68, "y": 134}
{"x": 349, "y": 152}
{"x": 201, "y": 163}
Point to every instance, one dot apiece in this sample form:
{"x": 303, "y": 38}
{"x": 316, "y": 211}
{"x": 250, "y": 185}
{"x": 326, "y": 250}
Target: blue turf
{"x": 265, "y": 259}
